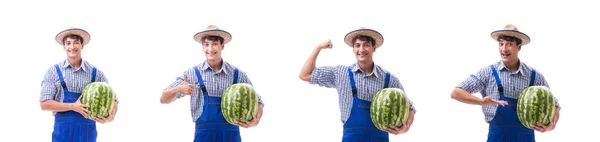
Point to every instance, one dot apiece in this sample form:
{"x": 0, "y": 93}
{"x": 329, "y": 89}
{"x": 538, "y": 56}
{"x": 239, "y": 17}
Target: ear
{"x": 519, "y": 47}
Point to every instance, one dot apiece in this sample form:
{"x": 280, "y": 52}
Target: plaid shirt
{"x": 215, "y": 82}
{"x": 513, "y": 82}
{"x": 366, "y": 84}
{"x": 74, "y": 79}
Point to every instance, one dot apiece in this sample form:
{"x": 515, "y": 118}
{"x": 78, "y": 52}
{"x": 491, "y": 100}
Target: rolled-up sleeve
{"x": 324, "y": 76}
{"x": 49, "y": 85}
{"x": 475, "y": 82}
{"x": 395, "y": 83}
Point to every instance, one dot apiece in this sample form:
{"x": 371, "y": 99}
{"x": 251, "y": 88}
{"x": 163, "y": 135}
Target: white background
{"x": 431, "y": 46}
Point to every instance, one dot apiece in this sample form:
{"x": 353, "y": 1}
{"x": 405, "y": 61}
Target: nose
{"x": 210, "y": 48}
{"x": 361, "y": 48}
{"x": 503, "y": 48}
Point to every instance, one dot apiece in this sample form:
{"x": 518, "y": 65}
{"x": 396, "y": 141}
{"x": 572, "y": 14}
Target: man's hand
{"x": 103, "y": 120}
{"x": 543, "y": 128}
{"x": 396, "y": 131}
{"x": 487, "y": 100}
{"x": 255, "y": 119}
{"x": 80, "y": 108}
{"x": 325, "y": 45}
{"x": 185, "y": 87}
{"x": 248, "y": 124}
{"x": 109, "y": 118}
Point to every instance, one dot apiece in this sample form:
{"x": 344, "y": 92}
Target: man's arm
{"x": 49, "y": 91}
{"x": 541, "y": 80}
{"x": 395, "y": 83}
{"x": 309, "y": 65}
{"x": 102, "y": 78}
{"x": 173, "y": 91}
{"x": 243, "y": 78}
{"x": 473, "y": 84}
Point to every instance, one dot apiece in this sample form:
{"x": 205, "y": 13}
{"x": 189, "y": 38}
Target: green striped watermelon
{"x": 99, "y": 97}
{"x": 389, "y": 106}
{"x": 239, "y": 101}
{"x": 535, "y": 104}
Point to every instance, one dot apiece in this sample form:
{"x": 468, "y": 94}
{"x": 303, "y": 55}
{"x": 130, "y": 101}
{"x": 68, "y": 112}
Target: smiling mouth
{"x": 361, "y": 54}
{"x": 505, "y": 54}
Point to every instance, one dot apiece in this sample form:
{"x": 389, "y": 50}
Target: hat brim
{"x": 84, "y": 34}
{"x": 364, "y": 32}
{"x": 224, "y": 34}
{"x": 524, "y": 38}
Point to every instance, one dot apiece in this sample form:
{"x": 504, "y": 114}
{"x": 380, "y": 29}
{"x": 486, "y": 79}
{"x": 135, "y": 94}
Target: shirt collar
{"x": 224, "y": 69}
{"x": 376, "y": 70}
{"x": 83, "y": 65}
{"x": 502, "y": 67}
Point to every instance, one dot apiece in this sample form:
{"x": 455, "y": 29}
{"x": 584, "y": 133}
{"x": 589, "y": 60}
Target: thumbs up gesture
{"x": 185, "y": 87}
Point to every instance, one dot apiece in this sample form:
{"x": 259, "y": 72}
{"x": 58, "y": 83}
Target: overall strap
{"x": 387, "y": 80}
{"x": 60, "y": 77}
{"x": 93, "y": 74}
{"x": 532, "y": 80}
{"x": 352, "y": 83}
{"x": 235, "y": 75}
{"x": 500, "y": 89}
{"x": 200, "y": 81}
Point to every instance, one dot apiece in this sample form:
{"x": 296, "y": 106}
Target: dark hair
{"x": 212, "y": 38}
{"x": 73, "y": 36}
{"x": 364, "y": 38}
{"x": 510, "y": 39}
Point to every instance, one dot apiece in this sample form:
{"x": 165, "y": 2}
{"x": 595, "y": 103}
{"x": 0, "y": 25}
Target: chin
{"x": 73, "y": 55}
{"x": 211, "y": 58}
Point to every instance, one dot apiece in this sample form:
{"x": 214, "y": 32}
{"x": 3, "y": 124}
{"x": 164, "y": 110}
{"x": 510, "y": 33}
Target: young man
{"x": 500, "y": 85}
{"x": 205, "y": 83}
{"x": 356, "y": 85}
{"x": 61, "y": 90}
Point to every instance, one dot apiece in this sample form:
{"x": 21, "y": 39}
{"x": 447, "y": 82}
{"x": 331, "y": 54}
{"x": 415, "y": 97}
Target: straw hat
{"x": 213, "y": 30}
{"x": 364, "y": 32}
{"x": 511, "y": 30}
{"x": 84, "y": 34}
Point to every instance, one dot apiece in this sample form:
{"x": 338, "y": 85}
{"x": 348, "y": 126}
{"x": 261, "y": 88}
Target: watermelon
{"x": 535, "y": 104}
{"x": 389, "y": 106}
{"x": 99, "y": 97}
{"x": 239, "y": 101}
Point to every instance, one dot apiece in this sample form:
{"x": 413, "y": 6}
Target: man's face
{"x": 509, "y": 50}
{"x": 73, "y": 47}
{"x": 212, "y": 49}
{"x": 363, "y": 50}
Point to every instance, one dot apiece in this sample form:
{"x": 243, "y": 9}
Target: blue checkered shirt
{"x": 366, "y": 84}
{"x": 74, "y": 79}
{"x": 513, "y": 82}
{"x": 215, "y": 82}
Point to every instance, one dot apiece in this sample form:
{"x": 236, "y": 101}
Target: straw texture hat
{"x": 364, "y": 32}
{"x": 213, "y": 30}
{"x": 84, "y": 34}
{"x": 511, "y": 30}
